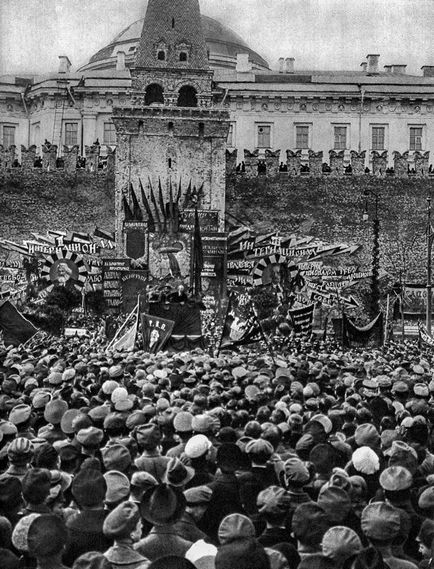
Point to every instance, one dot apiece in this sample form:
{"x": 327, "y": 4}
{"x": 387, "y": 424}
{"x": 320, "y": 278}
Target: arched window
{"x": 170, "y": 126}
{"x": 182, "y": 56}
{"x": 187, "y": 96}
{"x": 173, "y": 22}
{"x": 170, "y": 162}
{"x": 201, "y": 129}
{"x": 161, "y": 55}
{"x": 154, "y": 94}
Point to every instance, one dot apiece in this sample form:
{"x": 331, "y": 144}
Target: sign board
{"x": 79, "y": 332}
{"x": 112, "y": 270}
{"x": 208, "y": 220}
{"x": 133, "y": 284}
{"x": 136, "y": 239}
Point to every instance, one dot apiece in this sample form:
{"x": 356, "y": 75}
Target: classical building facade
{"x": 376, "y": 117}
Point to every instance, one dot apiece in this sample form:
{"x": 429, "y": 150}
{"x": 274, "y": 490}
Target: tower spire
{"x": 172, "y": 36}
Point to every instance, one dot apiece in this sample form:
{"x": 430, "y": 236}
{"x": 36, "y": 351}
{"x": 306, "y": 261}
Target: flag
{"x": 197, "y": 256}
{"x": 369, "y": 335}
{"x": 125, "y": 337}
{"x": 302, "y": 319}
{"x": 127, "y": 210}
{"x": 137, "y": 210}
{"x": 104, "y": 234}
{"x": 156, "y": 331}
{"x": 154, "y": 203}
{"x": 240, "y": 327}
{"x": 15, "y": 327}
{"x": 425, "y": 339}
{"x": 147, "y": 207}
{"x": 161, "y": 199}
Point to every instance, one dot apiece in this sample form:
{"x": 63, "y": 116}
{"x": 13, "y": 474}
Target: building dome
{"x": 223, "y": 46}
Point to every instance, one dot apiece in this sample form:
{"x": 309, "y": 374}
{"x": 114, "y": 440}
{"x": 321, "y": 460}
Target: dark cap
{"x": 89, "y": 487}
{"x": 47, "y": 536}
{"x": 309, "y": 524}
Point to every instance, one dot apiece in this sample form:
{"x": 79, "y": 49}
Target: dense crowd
{"x": 316, "y": 457}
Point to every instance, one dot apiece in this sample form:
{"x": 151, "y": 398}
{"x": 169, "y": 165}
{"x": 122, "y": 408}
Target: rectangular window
{"x": 378, "y": 137}
{"x": 71, "y": 133}
{"x": 8, "y": 136}
{"x": 230, "y": 140}
{"x": 416, "y": 133}
{"x": 340, "y": 137}
{"x": 264, "y": 136}
{"x": 301, "y": 137}
{"x": 109, "y": 133}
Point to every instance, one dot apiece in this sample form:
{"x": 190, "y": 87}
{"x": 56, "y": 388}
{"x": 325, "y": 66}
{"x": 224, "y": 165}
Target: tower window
{"x": 173, "y": 22}
{"x": 182, "y": 56}
{"x": 161, "y": 55}
{"x": 154, "y": 94}
{"x": 187, "y": 96}
{"x": 170, "y": 162}
{"x": 170, "y": 126}
{"x": 201, "y": 129}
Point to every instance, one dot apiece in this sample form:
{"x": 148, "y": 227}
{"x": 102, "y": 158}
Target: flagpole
{"x": 262, "y": 332}
{"x": 386, "y": 324}
{"x": 223, "y": 327}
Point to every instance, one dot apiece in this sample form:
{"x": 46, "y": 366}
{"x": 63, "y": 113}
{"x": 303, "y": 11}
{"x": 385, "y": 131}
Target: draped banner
{"x": 425, "y": 339}
{"x": 241, "y": 327}
{"x": 156, "y": 332}
{"x": 302, "y": 319}
{"x": 15, "y": 328}
{"x": 185, "y": 316}
{"x": 369, "y": 335}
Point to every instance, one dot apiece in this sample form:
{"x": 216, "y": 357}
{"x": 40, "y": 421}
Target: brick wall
{"x": 37, "y": 201}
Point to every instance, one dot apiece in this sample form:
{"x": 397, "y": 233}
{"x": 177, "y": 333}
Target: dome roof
{"x": 223, "y": 46}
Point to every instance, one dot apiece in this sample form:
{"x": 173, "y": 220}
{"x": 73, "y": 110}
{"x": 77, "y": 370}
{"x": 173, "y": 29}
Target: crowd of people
{"x": 315, "y": 457}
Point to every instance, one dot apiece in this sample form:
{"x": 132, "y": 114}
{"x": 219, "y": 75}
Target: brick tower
{"x": 170, "y": 138}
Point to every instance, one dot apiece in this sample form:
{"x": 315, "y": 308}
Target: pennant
{"x": 147, "y": 207}
{"x": 425, "y": 339}
{"x": 161, "y": 199}
{"x": 104, "y": 234}
{"x": 155, "y": 331}
{"x": 302, "y": 319}
{"x": 125, "y": 337}
{"x": 15, "y": 327}
{"x": 154, "y": 203}
{"x": 127, "y": 210}
{"x": 137, "y": 210}
{"x": 370, "y": 335}
{"x": 197, "y": 256}
{"x": 78, "y": 237}
{"x": 240, "y": 329}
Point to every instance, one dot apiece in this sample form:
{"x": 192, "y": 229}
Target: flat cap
{"x": 198, "y": 495}
{"x": 380, "y": 521}
{"x": 396, "y": 478}
{"x": 121, "y": 521}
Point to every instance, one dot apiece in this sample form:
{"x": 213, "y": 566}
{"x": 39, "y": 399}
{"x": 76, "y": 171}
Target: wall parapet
{"x": 341, "y": 163}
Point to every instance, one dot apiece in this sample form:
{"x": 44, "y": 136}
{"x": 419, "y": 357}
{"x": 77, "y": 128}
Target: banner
{"x": 240, "y": 327}
{"x": 125, "y": 337}
{"x": 302, "y": 319}
{"x": 425, "y": 339}
{"x": 370, "y": 335}
{"x": 15, "y": 327}
{"x": 156, "y": 331}
{"x": 187, "y": 317}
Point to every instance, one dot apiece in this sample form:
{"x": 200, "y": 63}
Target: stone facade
{"x": 171, "y": 145}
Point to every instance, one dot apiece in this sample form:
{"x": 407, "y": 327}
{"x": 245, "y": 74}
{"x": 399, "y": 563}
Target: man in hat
{"x": 225, "y": 488}
{"x": 163, "y": 506}
{"x": 148, "y": 439}
{"x": 86, "y": 526}
{"x": 124, "y": 526}
{"x": 260, "y": 475}
{"x": 197, "y": 502}
{"x": 46, "y": 540}
{"x": 381, "y": 524}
